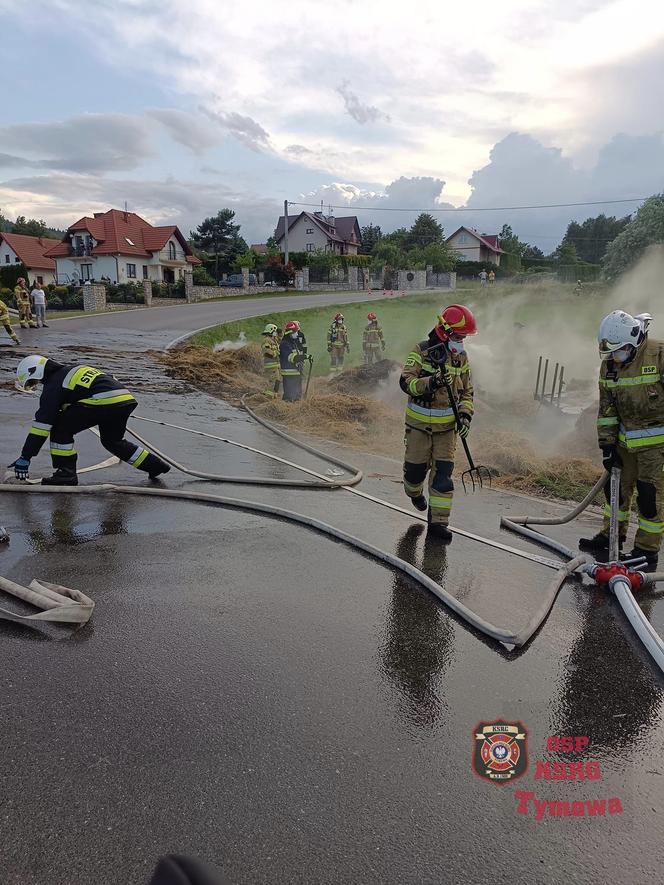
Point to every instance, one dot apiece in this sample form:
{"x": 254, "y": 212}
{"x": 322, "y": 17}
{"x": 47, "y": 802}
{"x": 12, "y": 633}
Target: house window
{"x": 131, "y": 271}
{"x": 7, "y": 259}
{"x": 86, "y": 271}
{"x": 463, "y": 239}
{"x": 145, "y": 271}
{"x": 40, "y": 281}
{"x": 171, "y": 251}
{"x": 310, "y": 247}
{"x": 17, "y": 260}
{"x": 310, "y": 230}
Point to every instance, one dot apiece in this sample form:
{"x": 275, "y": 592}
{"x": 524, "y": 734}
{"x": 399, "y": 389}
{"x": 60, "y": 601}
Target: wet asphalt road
{"x": 260, "y": 696}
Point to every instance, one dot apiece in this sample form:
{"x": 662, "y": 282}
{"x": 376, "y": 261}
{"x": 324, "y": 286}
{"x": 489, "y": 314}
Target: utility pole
{"x": 285, "y": 232}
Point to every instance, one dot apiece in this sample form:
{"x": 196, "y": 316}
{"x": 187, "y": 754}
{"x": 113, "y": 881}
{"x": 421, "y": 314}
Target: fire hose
{"x": 615, "y": 575}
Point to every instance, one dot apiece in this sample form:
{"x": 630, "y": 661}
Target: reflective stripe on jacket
{"x": 373, "y": 335}
{"x": 631, "y": 399}
{"x": 432, "y": 410}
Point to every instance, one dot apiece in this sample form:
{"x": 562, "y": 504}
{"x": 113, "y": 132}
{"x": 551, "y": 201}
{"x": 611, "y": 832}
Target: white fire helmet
{"x": 619, "y": 330}
{"x": 29, "y": 372}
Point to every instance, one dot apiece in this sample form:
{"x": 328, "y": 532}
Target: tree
{"x": 645, "y": 229}
{"x": 425, "y": 231}
{"x": 31, "y": 227}
{"x": 592, "y": 238}
{"x": 219, "y": 236}
{"x": 371, "y": 235}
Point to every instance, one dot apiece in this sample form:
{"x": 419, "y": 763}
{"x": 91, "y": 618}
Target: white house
{"x": 31, "y": 251}
{"x": 313, "y": 231}
{"x": 121, "y": 247}
{"x": 473, "y": 246}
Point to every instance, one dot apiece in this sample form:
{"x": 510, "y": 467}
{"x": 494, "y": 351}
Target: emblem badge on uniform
{"x": 500, "y": 751}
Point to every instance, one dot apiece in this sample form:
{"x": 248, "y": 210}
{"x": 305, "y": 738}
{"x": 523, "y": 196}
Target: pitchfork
{"x": 437, "y": 357}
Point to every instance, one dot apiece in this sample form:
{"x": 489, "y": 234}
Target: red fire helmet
{"x": 456, "y": 320}
{"x": 372, "y": 316}
{"x": 291, "y": 326}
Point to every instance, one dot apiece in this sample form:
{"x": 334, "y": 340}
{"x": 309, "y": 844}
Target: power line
{"x": 473, "y": 208}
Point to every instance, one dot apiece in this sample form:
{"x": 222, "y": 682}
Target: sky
{"x": 180, "y": 109}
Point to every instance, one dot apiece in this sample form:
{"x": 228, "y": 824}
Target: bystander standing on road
{"x": 483, "y": 276}
{"x": 38, "y": 299}
{"x": 492, "y": 277}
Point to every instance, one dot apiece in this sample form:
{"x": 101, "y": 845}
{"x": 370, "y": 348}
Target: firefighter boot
{"x": 598, "y": 544}
{"x": 154, "y": 466}
{"x": 420, "y": 502}
{"x": 63, "y": 476}
{"x": 440, "y": 532}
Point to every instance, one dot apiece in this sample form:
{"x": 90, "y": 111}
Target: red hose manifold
{"x": 603, "y": 574}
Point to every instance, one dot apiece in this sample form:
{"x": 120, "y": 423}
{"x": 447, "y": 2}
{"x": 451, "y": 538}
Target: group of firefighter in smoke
{"x": 436, "y": 378}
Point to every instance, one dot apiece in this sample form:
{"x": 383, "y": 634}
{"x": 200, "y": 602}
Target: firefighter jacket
{"x": 428, "y": 409}
{"x": 270, "y": 349}
{"x": 631, "y": 399}
{"x": 302, "y": 341}
{"x": 21, "y": 295}
{"x": 373, "y": 337}
{"x": 291, "y": 356}
{"x": 4, "y": 312}
{"x": 65, "y": 385}
{"x": 337, "y": 335}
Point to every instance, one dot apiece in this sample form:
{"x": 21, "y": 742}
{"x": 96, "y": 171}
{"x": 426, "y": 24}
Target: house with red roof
{"x": 30, "y": 251}
{"x": 313, "y": 232}
{"x": 473, "y": 246}
{"x": 121, "y": 247}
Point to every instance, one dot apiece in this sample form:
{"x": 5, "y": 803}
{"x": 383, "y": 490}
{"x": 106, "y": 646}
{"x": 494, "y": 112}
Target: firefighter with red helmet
{"x": 372, "y": 341}
{"x": 292, "y": 354}
{"x": 337, "y": 342}
{"x": 430, "y": 424}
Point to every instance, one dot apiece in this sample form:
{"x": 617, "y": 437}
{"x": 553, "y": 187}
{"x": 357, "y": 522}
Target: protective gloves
{"x": 464, "y": 429}
{"x": 21, "y": 468}
{"x": 610, "y": 457}
{"x": 439, "y": 379}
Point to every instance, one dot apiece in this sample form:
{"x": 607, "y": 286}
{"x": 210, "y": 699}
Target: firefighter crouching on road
{"x": 270, "y": 349}
{"x": 372, "y": 340}
{"x": 75, "y": 398}
{"x": 630, "y": 430}
{"x": 6, "y": 322}
{"x": 430, "y": 424}
{"x": 337, "y": 343}
{"x": 22, "y": 298}
{"x": 291, "y": 358}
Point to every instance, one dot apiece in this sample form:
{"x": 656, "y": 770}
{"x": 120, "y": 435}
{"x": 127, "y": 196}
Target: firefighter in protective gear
{"x": 291, "y": 359}
{"x": 6, "y": 322}
{"x": 372, "y": 340}
{"x": 75, "y": 398}
{"x": 337, "y": 343}
{"x": 630, "y": 430}
{"x": 430, "y": 424}
{"x": 271, "y": 369}
{"x": 22, "y": 298}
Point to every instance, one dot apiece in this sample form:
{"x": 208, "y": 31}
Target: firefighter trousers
{"x": 432, "y": 453}
{"x": 292, "y": 387}
{"x": 371, "y": 355}
{"x": 25, "y": 316}
{"x": 337, "y": 355}
{"x": 642, "y": 471}
{"x": 272, "y": 381}
{"x": 8, "y": 329}
{"x": 112, "y": 423}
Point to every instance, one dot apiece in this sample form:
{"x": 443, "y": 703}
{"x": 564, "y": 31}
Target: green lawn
{"x": 408, "y": 320}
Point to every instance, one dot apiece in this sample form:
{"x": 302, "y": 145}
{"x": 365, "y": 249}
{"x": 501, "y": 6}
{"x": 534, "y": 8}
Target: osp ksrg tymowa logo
{"x": 500, "y": 751}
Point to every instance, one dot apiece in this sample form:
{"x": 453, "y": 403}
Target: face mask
{"x": 622, "y": 355}
{"x": 456, "y": 348}
{"x": 293, "y": 334}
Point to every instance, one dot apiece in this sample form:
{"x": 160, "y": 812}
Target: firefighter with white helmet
{"x": 75, "y": 398}
{"x": 270, "y": 351}
{"x": 430, "y": 423}
{"x": 630, "y": 429}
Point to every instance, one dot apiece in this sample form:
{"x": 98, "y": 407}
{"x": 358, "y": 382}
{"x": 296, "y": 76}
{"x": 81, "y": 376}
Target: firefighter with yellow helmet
{"x": 430, "y": 423}
{"x": 271, "y": 366}
{"x": 22, "y": 299}
{"x": 630, "y": 430}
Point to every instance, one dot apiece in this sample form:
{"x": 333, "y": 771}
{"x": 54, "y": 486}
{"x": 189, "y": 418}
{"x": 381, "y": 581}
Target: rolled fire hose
{"x": 57, "y": 603}
{"x": 507, "y": 636}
